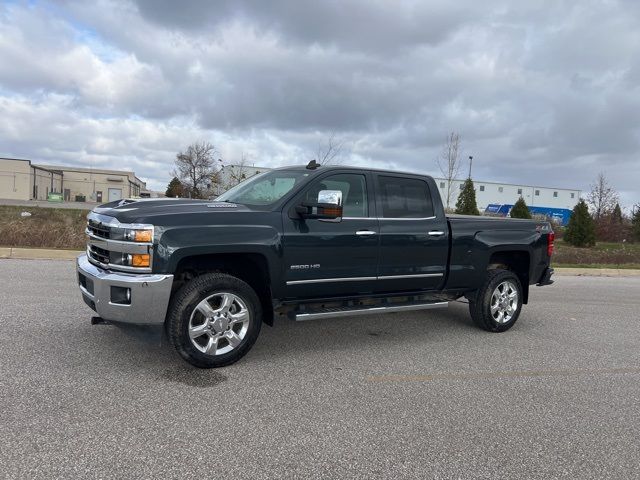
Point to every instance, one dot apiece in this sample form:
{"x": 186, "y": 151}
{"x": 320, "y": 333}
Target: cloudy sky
{"x": 544, "y": 92}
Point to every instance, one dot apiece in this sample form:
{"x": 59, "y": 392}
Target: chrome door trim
{"x": 407, "y": 218}
{"x": 329, "y": 280}
{"x": 362, "y": 279}
{"x": 389, "y": 218}
{"x": 418, "y": 275}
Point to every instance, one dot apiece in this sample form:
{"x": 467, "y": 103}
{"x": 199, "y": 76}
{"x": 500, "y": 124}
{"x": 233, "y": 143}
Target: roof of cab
{"x": 324, "y": 168}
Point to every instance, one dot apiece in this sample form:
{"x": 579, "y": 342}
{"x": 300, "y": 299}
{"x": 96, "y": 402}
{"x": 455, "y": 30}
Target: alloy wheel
{"x": 219, "y": 323}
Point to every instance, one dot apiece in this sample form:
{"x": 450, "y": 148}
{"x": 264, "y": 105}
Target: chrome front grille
{"x": 98, "y": 229}
{"x": 110, "y": 247}
{"x": 99, "y": 254}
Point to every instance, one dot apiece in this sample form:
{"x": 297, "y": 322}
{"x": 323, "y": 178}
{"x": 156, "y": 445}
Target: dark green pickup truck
{"x": 303, "y": 243}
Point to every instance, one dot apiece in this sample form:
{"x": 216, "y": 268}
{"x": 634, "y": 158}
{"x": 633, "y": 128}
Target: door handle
{"x": 436, "y": 233}
{"x": 365, "y": 232}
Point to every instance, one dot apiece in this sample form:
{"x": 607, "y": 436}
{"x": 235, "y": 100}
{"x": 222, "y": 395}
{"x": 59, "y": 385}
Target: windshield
{"x": 265, "y": 188}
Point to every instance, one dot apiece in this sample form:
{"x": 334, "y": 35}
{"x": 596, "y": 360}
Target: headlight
{"x": 139, "y": 235}
{"x": 143, "y": 236}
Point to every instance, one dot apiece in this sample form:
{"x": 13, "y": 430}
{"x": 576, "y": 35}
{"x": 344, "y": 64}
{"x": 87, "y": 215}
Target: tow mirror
{"x": 328, "y": 206}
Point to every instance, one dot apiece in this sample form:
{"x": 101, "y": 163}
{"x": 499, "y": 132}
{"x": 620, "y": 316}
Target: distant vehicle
{"x": 303, "y": 243}
{"x": 559, "y": 216}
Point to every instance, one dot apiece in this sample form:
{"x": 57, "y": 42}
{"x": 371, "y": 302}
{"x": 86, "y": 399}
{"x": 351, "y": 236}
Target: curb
{"x": 38, "y": 253}
{"x": 596, "y": 272}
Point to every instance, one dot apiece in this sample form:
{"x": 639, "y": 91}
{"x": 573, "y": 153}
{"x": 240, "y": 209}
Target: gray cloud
{"x": 547, "y": 92}
{"x": 358, "y": 25}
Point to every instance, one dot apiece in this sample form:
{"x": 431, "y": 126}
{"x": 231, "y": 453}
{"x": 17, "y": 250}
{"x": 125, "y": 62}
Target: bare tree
{"x": 449, "y": 163}
{"x": 329, "y": 150}
{"x": 238, "y": 172}
{"x": 195, "y": 167}
{"x": 602, "y": 198}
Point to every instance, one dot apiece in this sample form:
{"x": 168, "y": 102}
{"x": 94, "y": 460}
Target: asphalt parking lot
{"x": 413, "y": 395}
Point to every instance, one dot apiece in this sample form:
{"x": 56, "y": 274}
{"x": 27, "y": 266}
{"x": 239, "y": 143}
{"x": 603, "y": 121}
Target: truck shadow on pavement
{"x": 355, "y": 333}
{"x": 289, "y": 341}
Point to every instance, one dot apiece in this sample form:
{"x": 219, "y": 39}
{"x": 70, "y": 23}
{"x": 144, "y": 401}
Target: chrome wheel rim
{"x": 504, "y": 302}
{"x": 219, "y": 323}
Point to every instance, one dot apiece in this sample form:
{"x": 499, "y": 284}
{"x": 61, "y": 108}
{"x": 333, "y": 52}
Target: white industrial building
{"x": 508, "y": 193}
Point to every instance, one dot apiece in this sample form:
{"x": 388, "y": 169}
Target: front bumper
{"x": 149, "y": 294}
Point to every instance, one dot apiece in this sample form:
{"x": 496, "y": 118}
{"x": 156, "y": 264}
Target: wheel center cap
{"x": 220, "y": 324}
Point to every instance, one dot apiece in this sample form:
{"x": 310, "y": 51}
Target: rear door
{"x": 413, "y": 239}
{"x": 332, "y": 257}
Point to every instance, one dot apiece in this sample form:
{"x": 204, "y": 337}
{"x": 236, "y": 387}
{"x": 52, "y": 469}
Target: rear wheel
{"x": 214, "y": 320}
{"x": 498, "y": 302}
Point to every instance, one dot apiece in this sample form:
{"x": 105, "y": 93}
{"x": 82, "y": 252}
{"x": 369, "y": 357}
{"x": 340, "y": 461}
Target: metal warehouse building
{"x": 22, "y": 180}
{"x": 508, "y": 193}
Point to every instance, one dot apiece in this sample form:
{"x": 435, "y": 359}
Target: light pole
{"x": 470, "y": 163}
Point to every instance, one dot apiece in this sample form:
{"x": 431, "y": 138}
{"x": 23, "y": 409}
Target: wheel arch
{"x": 252, "y": 268}
{"x": 517, "y": 261}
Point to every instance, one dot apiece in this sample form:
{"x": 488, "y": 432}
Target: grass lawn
{"x": 45, "y": 228}
{"x": 64, "y": 228}
{"x": 602, "y": 255}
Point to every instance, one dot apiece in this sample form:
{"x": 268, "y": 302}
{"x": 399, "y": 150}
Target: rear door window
{"x": 404, "y": 197}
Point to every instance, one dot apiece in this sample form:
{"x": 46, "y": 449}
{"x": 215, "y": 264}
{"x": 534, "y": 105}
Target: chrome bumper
{"x": 149, "y": 294}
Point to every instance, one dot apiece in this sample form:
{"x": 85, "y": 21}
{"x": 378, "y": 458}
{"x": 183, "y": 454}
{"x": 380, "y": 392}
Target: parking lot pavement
{"x": 411, "y": 395}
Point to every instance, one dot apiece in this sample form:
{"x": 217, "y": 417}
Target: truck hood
{"x": 148, "y": 210}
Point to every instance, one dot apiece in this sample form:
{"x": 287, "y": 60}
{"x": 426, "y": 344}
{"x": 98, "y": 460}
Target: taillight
{"x": 551, "y": 236}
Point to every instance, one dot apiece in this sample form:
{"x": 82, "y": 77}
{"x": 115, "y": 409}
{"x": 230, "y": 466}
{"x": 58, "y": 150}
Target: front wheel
{"x": 214, "y": 320}
{"x": 498, "y": 302}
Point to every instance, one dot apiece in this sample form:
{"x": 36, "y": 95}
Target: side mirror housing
{"x": 328, "y": 206}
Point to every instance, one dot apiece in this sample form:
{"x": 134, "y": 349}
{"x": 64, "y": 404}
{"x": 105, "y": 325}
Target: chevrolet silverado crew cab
{"x": 303, "y": 243}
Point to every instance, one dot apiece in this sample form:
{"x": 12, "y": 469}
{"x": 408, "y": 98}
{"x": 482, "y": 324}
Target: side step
{"x": 347, "y": 312}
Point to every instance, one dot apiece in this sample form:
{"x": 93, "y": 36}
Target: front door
{"x": 332, "y": 257}
{"x": 413, "y": 241}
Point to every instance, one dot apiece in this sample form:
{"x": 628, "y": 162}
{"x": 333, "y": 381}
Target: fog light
{"x": 140, "y": 260}
{"x": 121, "y": 295}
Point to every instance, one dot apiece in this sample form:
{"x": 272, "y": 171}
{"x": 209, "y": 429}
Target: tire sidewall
{"x": 499, "y": 277}
{"x": 186, "y": 301}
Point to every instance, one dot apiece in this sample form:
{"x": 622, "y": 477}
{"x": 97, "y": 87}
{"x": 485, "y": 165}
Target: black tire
{"x": 480, "y": 306}
{"x": 183, "y": 305}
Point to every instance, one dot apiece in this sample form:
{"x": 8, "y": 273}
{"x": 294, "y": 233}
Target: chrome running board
{"x": 348, "y": 312}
